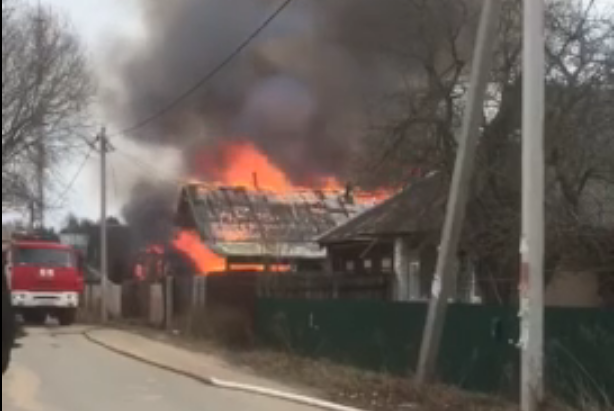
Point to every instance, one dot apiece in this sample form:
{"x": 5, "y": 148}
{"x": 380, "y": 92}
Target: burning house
{"x": 291, "y": 110}
{"x": 241, "y": 229}
{"x": 246, "y": 215}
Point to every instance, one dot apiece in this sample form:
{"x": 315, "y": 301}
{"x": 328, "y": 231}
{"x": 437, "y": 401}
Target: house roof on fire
{"x": 417, "y": 209}
{"x": 239, "y": 222}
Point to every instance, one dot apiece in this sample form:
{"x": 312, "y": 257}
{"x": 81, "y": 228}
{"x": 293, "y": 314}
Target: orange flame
{"x": 245, "y": 166}
{"x": 276, "y": 268}
{"x": 251, "y": 168}
{"x": 248, "y": 167}
{"x": 206, "y": 260}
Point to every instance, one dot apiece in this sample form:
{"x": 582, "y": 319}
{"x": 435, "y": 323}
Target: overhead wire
{"x": 66, "y": 192}
{"x": 180, "y": 99}
{"x": 210, "y": 75}
{"x": 146, "y": 169}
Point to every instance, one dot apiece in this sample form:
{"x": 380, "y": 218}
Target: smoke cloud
{"x": 299, "y": 93}
{"x": 150, "y": 213}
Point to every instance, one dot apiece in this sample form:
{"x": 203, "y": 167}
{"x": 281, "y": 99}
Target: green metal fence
{"x": 478, "y": 354}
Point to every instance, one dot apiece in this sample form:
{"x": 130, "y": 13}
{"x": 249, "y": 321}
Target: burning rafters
{"x": 206, "y": 261}
{"x": 273, "y": 224}
{"x": 236, "y": 221}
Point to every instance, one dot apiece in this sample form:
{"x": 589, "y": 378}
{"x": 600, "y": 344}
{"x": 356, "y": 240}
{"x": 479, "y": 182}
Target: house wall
{"x": 407, "y": 271}
{"x": 412, "y": 265}
{"x": 414, "y": 269}
{"x": 566, "y": 290}
{"x": 361, "y": 257}
{"x": 575, "y": 290}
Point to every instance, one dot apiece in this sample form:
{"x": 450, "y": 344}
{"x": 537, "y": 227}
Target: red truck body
{"x": 46, "y": 280}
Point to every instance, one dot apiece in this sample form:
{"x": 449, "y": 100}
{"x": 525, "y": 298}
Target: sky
{"x": 98, "y": 20}
{"x": 101, "y": 23}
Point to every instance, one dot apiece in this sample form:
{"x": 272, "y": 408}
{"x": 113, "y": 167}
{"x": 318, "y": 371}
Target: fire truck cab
{"x": 46, "y": 279}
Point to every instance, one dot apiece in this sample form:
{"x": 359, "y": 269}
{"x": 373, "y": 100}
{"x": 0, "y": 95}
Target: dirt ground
{"x": 344, "y": 385}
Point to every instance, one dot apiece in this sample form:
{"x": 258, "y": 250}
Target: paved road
{"x": 64, "y": 372}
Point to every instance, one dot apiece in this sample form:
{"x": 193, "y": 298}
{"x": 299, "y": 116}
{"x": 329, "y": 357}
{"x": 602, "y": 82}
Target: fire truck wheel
{"x": 35, "y": 317}
{"x": 67, "y": 317}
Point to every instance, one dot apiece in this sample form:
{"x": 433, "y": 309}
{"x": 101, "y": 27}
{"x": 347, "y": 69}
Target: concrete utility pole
{"x": 445, "y": 275}
{"x": 533, "y": 209}
{"x": 104, "y": 275}
{"x": 40, "y": 150}
{"x": 41, "y": 164}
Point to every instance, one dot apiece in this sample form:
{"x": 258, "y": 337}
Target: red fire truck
{"x": 46, "y": 279}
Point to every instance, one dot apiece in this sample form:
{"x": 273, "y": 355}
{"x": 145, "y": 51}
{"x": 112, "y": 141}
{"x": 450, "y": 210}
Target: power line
{"x": 210, "y": 75}
{"x": 147, "y": 169}
{"x": 73, "y": 181}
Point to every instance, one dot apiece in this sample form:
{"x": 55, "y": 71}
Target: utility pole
{"x": 445, "y": 275}
{"x": 41, "y": 164}
{"x": 104, "y": 275}
{"x": 533, "y": 210}
{"x": 40, "y": 157}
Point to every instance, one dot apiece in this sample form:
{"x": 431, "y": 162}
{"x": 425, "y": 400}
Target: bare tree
{"x": 46, "y": 87}
{"x": 423, "y": 119}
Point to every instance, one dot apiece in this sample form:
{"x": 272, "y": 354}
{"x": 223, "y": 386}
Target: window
{"x": 350, "y": 266}
{"x": 368, "y": 264}
{"x": 44, "y": 256}
{"x": 387, "y": 265}
{"x": 467, "y": 288}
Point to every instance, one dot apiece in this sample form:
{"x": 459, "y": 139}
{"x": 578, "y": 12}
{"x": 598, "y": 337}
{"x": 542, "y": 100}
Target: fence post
{"x": 169, "y": 302}
{"x": 195, "y": 304}
{"x": 87, "y": 302}
{"x": 335, "y": 286}
{"x": 93, "y": 310}
{"x": 204, "y": 291}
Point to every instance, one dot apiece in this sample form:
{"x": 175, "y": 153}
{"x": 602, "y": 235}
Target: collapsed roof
{"x": 239, "y": 222}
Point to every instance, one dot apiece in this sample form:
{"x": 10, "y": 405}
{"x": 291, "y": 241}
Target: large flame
{"x": 250, "y": 168}
{"x": 206, "y": 260}
{"x": 247, "y": 167}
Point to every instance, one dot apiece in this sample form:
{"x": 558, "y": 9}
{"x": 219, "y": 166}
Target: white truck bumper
{"x": 25, "y": 299}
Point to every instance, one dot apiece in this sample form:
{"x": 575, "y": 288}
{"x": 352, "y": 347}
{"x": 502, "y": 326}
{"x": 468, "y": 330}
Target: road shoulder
{"x": 206, "y": 369}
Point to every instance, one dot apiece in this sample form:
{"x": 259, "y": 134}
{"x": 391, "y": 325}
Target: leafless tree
{"x": 46, "y": 87}
{"x": 422, "y": 123}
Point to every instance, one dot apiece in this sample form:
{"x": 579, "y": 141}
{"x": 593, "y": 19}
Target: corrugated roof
{"x": 239, "y": 222}
{"x": 419, "y": 208}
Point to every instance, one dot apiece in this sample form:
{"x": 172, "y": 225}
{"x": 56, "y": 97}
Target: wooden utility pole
{"x": 445, "y": 275}
{"x": 104, "y": 257}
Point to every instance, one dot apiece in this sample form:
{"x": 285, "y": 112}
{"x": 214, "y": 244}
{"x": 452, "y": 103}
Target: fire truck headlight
{"x": 18, "y": 299}
{"x": 72, "y": 298}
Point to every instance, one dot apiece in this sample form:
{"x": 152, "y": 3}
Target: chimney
{"x": 349, "y": 193}
{"x": 256, "y": 182}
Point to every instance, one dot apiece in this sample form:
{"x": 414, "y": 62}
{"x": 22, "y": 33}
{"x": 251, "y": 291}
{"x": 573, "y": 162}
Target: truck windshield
{"x": 44, "y": 257}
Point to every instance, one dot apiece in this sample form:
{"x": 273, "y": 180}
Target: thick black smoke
{"x": 299, "y": 93}
{"x": 150, "y": 213}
